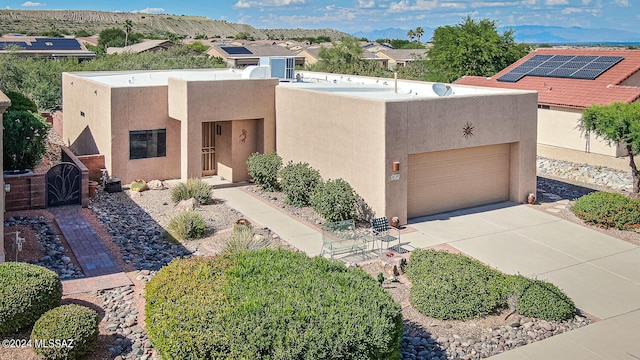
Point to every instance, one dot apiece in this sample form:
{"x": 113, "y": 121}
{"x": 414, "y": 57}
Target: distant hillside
{"x": 71, "y": 21}
{"x": 282, "y": 34}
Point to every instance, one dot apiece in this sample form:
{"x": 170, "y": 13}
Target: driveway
{"x": 599, "y": 272}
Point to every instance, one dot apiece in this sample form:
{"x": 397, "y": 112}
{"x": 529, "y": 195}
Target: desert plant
{"x": 24, "y": 139}
{"x": 138, "y": 185}
{"x": 540, "y": 299}
{"x": 19, "y": 102}
{"x": 193, "y": 188}
{"x": 26, "y": 292}
{"x": 187, "y": 225}
{"x": 299, "y": 182}
{"x": 453, "y": 286}
{"x": 608, "y": 210}
{"x": 270, "y": 304}
{"x": 335, "y": 200}
{"x": 71, "y": 329}
{"x": 242, "y": 238}
{"x": 264, "y": 169}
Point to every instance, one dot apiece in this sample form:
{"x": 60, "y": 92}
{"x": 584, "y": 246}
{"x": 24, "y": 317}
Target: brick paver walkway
{"x": 95, "y": 259}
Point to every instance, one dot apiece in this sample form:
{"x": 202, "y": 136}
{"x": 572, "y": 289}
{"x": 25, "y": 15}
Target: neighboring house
{"x": 401, "y": 57}
{"x": 45, "y": 47}
{"x": 311, "y": 54}
{"x": 241, "y": 56}
{"x": 374, "y": 47}
{"x": 144, "y": 46}
{"x": 4, "y": 104}
{"x": 407, "y": 151}
{"x": 567, "y": 82}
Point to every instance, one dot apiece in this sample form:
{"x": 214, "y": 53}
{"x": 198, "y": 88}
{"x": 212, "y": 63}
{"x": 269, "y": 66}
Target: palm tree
{"x": 411, "y": 34}
{"x": 419, "y": 32}
{"x": 128, "y": 25}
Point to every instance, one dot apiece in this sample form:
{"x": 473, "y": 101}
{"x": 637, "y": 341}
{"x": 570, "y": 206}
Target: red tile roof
{"x": 574, "y": 93}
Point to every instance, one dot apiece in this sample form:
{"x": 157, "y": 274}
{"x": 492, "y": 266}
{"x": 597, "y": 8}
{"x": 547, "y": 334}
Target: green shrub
{"x": 243, "y": 239}
{"x": 335, "y": 200}
{"x": 26, "y": 292}
{"x": 270, "y": 304}
{"x": 24, "y": 137}
{"x": 72, "y": 325}
{"x": 187, "y": 225}
{"x": 453, "y": 286}
{"x": 540, "y": 299}
{"x": 299, "y": 182}
{"x": 608, "y": 210}
{"x": 20, "y": 102}
{"x": 264, "y": 169}
{"x": 193, "y": 188}
{"x": 138, "y": 185}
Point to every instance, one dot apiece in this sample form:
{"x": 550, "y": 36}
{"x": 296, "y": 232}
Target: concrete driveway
{"x": 600, "y": 273}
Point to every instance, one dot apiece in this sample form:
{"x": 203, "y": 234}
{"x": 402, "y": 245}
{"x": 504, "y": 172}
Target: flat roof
{"x": 157, "y": 77}
{"x": 379, "y": 88}
{"x": 348, "y": 85}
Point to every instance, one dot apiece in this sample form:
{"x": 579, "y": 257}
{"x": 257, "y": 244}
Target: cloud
{"x": 481, "y": 4}
{"x": 150, "y": 11}
{"x": 266, "y": 3}
{"x": 529, "y": 2}
{"x": 568, "y": 11}
{"x": 403, "y": 5}
{"x": 32, "y": 4}
{"x": 556, "y": 2}
{"x": 586, "y": 2}
{"x": 624, "y": 3}
{"x": 366, "y": 3}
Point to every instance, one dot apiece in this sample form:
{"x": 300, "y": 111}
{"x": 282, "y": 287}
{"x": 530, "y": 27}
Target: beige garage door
{"x": 455, "y": 179}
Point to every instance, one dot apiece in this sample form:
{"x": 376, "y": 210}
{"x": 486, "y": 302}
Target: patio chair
{"x": 341, "y": 238}
{"x": 382, "y": 232}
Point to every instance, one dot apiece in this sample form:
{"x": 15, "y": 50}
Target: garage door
{"x": 455, "y": 179}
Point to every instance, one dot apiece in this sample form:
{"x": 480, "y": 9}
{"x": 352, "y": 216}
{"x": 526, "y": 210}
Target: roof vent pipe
{"x": 395, "y": 79}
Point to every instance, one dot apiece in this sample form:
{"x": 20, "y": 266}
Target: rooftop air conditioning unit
{"x": 283, "y": 68}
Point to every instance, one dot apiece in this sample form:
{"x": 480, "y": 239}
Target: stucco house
{"x": 405, "y": 149}
{"x": 568, "y": 80}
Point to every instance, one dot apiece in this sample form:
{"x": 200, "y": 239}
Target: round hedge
{"x": 69, "y": 331}
{"x": 453, "y": 286}
{"x": 541, "y": 299}
{"x": 26, "y": 292}
{"x": 270, "y": 304}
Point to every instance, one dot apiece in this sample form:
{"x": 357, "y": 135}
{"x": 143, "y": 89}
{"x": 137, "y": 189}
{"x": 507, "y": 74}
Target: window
{"x": 147, "y": 143}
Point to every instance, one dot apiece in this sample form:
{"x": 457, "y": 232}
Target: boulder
{"x": 186, "y": 205}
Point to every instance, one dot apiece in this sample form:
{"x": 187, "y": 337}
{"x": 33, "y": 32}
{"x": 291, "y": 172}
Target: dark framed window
{"x": 147, "y": 143}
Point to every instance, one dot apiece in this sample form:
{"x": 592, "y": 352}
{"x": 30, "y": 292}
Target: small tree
{"x": 617, "y": 123}
{"x": 418, "y": 32}
{"x": 411, "y": 34}
{"x": 128, "y": 25}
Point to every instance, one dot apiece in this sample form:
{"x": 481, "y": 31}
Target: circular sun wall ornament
{"x": 467, "y": 130}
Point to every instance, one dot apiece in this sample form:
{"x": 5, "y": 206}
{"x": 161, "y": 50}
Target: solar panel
{"x": 45, "y": 44}
{"x": 587, "y": 67}
{"x": 236, "y": 50}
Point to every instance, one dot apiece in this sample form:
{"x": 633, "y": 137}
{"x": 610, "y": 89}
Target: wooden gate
{"x": 208, "y": 148}
{"x": 63, "y": 184}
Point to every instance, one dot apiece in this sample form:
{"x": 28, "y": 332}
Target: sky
{"x": 366, "y": 15}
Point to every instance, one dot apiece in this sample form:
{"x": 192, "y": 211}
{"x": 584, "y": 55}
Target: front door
{"x": 208, "y": 148}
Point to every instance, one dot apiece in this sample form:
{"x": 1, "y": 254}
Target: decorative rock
{"x": 155, "y": 185}
{"x": 186, "y": 205}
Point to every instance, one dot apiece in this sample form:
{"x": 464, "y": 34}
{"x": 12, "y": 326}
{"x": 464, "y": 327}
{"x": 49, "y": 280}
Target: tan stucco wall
{"x": 4, "y": 104}
{"x": 359, "y": 139}
{"x": 83, "y": 133}
{"x": 142, "y": 108}
{"x": 195, "y": 102}
{"x": 110, "y": 113}
{"x": 559, "y": 128}
{"x": 342, "y": 137}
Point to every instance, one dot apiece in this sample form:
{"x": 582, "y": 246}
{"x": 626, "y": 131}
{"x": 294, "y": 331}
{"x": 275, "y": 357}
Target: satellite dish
{"x": 442, "y": 89}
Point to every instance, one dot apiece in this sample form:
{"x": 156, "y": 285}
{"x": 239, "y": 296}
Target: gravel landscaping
{"x": 134, "y": 230}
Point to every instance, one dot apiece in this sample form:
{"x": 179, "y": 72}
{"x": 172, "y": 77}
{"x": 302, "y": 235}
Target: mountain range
{"x": 534, "y": 34}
